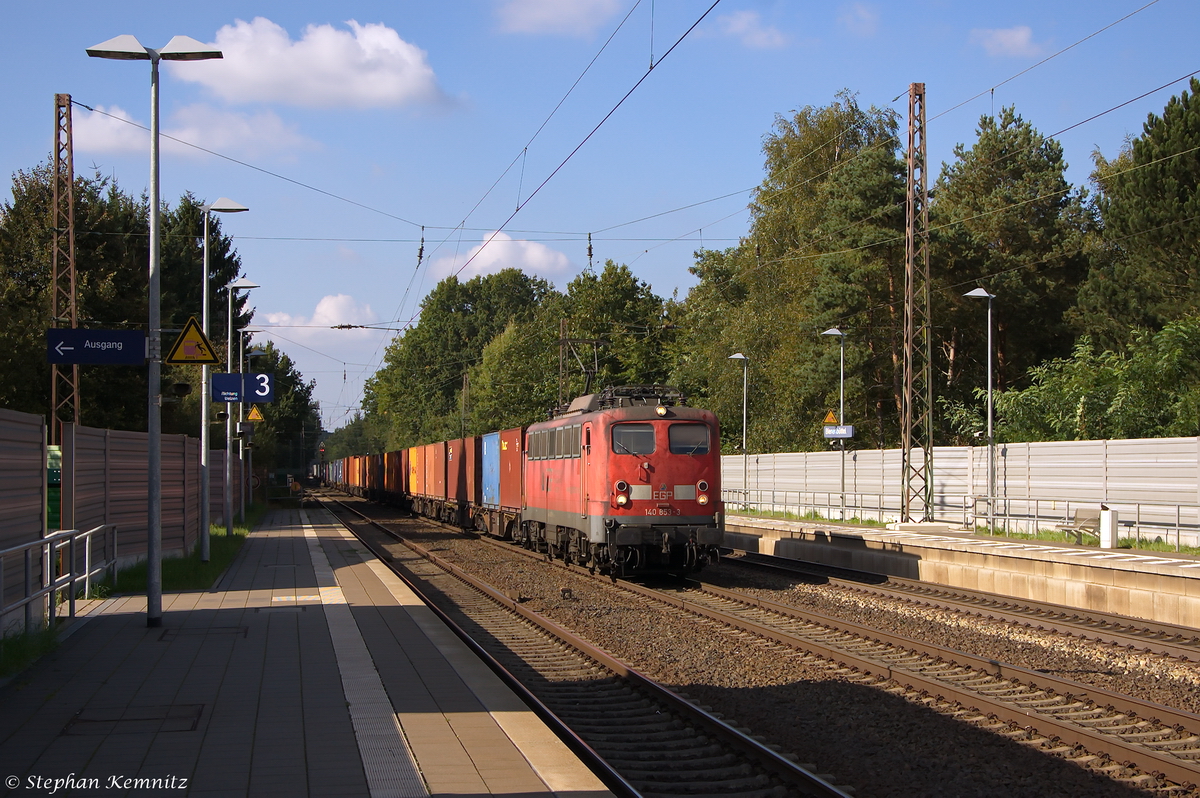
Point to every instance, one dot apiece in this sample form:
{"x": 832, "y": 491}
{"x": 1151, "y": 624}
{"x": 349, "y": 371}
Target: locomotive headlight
{"x": 662, "y": 411}
{"x": 702, "y": 485}
{"x": 622, "y": 486}
{"x": 622, "y": 500}
{"x": 702, "y": 498}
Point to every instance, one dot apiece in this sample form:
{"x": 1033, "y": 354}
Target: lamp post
{"x": 128, "y": 48}
{"x": 223, "y": 205}
{"x": 980, "y": 293}
{"x": 745, "y": 457}
{"x": 242, "y": 284}
{"x": 841, "y": 405}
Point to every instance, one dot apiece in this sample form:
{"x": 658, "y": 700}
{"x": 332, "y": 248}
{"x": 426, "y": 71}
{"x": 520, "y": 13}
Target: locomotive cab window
{"x": 688, "y": 438}
{"x": 633, "y": 438}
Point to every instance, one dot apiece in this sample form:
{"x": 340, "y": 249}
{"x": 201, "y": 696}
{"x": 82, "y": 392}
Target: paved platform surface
{"x": 311, "y": 670}
{"x": 1140, "y": 584}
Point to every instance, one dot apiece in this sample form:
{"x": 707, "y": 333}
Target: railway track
{"x": 653, "y": 741}
{"x": 1135, "y": 742}
{"x": 1148, "y": 636}
{"x": 1058, "y": 713}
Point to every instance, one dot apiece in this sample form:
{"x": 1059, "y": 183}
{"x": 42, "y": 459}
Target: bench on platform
{"x": 1085, "y": 521}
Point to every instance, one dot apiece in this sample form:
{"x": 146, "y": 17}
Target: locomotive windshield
{"x": 633, "y": 438}
{"x": 688, "y": 438}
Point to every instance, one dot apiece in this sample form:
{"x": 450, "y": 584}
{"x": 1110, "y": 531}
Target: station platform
{"x": 1157, "y": 587}
{"x": 310, "y": 670}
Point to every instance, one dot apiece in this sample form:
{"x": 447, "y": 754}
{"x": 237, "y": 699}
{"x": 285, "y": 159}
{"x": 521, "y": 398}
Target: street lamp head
{"x": 979, "y": 293}
{"x": 126, "y": 47}
{"x": 737, "y": 356}
{"x": 243, "y": 284}
{"x": 185, "y": 48}
{"x": 224, "y": 205}
{"x": 834, "y": 331}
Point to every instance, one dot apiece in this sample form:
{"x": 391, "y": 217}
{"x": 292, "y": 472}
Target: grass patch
{"x": 189, "y": 573}
{"x": 811, "y": 515}
{"x": 19, "y": 649}
{"x": 1160, "y": 544}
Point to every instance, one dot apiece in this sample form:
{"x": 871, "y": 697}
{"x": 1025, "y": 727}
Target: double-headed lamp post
{"x": 128, "y": 48}
{"x": 980, "y": 293}
{"x": 745, "y": 456}
{"x": 841, "y": 405}
{"x": 240, "y": 285}
{"x": 223, "y": 205}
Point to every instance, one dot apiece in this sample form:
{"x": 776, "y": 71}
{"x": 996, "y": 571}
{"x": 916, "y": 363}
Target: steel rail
{"x": 1174, "y": 768}
{"x": 1121, "y": 630}
{"x": 748, "y": 746}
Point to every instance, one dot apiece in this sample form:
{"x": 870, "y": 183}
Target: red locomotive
{"x": 623, "y": 481}
{"x": 626, "y": 481}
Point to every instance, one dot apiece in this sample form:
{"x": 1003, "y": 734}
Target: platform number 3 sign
{"x": 259, "y": 388}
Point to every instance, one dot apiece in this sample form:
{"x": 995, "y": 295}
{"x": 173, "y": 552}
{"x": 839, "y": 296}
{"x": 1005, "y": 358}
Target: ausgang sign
{"x": 98, "y": 347}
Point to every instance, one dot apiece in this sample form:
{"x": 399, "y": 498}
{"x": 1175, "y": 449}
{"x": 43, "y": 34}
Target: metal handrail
{"x": 53, "y": 577}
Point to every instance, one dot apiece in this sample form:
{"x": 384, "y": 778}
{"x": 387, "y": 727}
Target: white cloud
{"x": 104, "y": 131}
{"x": 748, "y": 27}
{"x": 331, "y": 311}
{"x": 860, "y": 19}
{"x": 367, "y": 66}
{"x": 502, "y": 253}
{"x": 113, "y": 130}
{"x": 1016, "y": 41}
{"x": 570, "y": 17}
{"x": 262, "y": 133}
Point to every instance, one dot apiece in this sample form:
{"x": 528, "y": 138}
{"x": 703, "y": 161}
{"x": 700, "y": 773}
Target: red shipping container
{"x": 512, "y": 446}
{"x": 456, "y": 471}
{"x": 473, "y": 465}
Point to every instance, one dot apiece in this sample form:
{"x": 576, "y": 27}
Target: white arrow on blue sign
{"x": 95, "y": 347}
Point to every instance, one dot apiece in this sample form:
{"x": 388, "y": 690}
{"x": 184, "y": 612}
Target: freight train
{"x": 624, "y": 482}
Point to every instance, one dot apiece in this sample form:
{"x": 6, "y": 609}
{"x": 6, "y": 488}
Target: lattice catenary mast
{"x": 64, "y": 378}
{"x": 916, "y": 434}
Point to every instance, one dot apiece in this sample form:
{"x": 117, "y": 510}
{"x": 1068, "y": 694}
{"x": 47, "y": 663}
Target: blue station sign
{"x": 249, "y": 388}
{"x": 95, "y": 347}
{"x": 839, "y": 431}
{"x": 226, "y": 387}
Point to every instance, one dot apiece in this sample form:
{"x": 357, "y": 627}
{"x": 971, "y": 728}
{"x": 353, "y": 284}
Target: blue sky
{"x": 386, "y": 116}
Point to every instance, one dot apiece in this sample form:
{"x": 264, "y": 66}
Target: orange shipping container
{"x": 511, "y": 458}
{"x": 416, "y": 471}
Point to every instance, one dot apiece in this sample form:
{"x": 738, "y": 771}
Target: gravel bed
{"x": 879, "y": 742}
{"x": 1152, "y": 677}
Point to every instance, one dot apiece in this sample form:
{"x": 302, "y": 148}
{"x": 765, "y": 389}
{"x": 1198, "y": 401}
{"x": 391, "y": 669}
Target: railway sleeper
{"x": 715, "y": 772}
{"x": 604, "y": 734}
{"x": 717, "y": 780}
{"x": 670, "y": 750}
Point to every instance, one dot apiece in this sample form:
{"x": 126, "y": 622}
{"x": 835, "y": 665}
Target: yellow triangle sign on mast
{"x": 255, "y": 415}
{"x": 192, "y": 348}
{"x": 830, "y": 418}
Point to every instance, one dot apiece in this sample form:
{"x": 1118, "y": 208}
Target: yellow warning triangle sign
{"x": 255, "y": 415}
{"x": 192, "y": 348}
{"x": 830, "y": 418}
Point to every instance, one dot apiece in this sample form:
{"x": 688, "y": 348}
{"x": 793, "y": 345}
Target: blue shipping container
{"x": 491, "y": 469}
